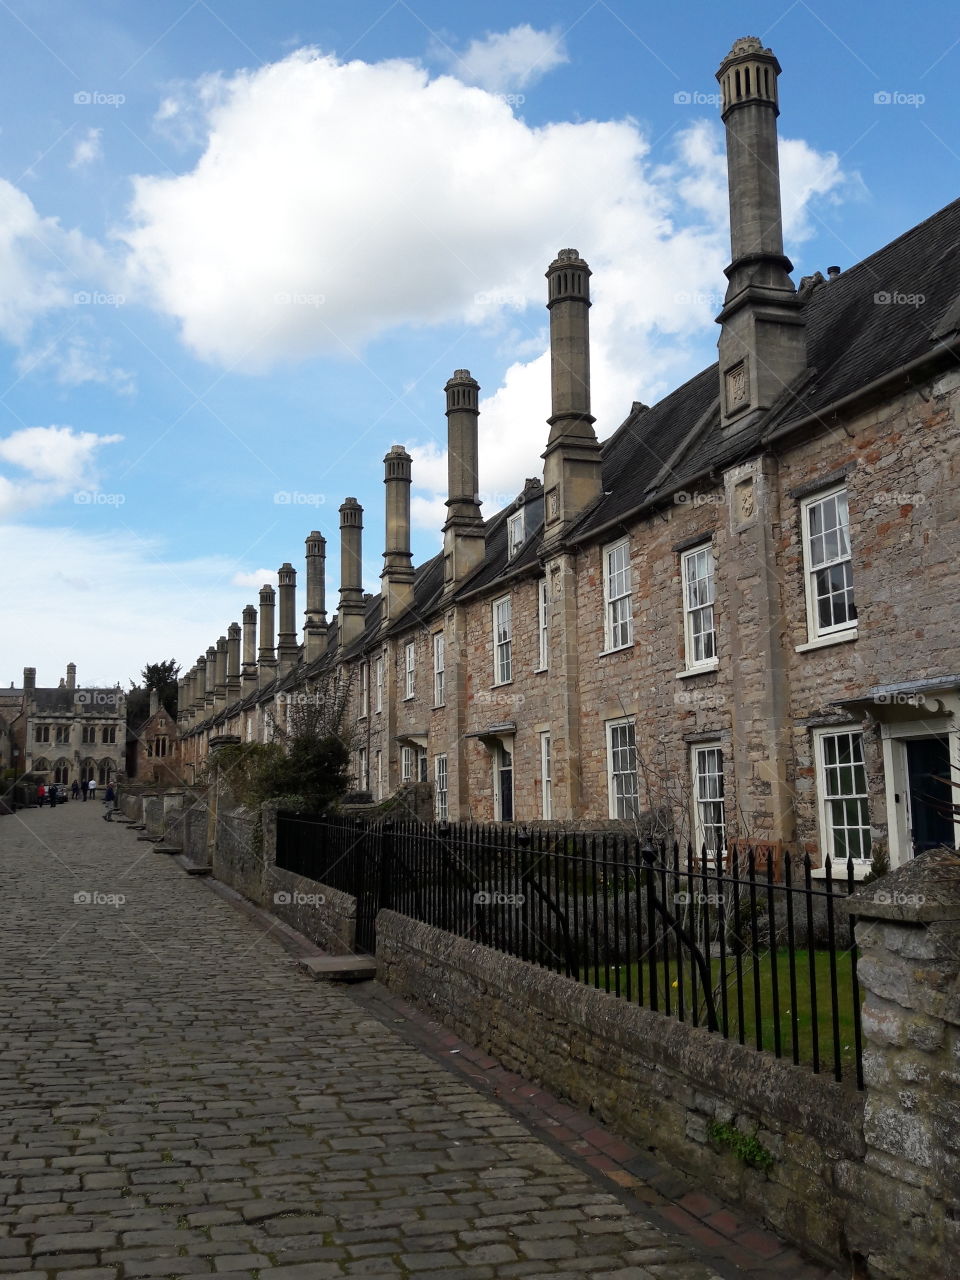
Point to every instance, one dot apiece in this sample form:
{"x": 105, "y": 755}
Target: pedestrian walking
{"x": 83, "y": 791}
{"x": 92, "y": 788}
{"x": 75, "y": 789}
{"x": 41, "y": 795}
{"x": 52, "y": 796}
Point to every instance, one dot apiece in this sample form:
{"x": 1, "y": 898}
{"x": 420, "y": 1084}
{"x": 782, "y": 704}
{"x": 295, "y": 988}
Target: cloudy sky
{"x": 243, "y": 246}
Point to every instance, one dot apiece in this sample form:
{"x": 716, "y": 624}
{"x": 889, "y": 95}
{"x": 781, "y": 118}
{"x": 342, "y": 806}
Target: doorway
{"x": 931, "y": 795}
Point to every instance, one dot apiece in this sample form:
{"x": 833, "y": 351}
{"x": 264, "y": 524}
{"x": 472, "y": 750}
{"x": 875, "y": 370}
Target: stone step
{"x": 339, "y": 968}
{"x": 167, "y": 848}
{"x": 193, "y": 868}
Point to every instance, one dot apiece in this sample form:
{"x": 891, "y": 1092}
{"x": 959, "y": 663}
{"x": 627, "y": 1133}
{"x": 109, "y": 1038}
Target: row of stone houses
{"x": 732, "y": 617}
{"x": 64, "y": 733}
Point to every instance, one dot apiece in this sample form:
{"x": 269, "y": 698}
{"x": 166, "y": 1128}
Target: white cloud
{"x": 108, "y": 603}
{"x": 256, "y": 579}
{"x": 74, "y": 360}
{"x": 508, "y": 60}
{"x": 87, "y": 148}
{"x": 52, "y": 461}
{"x": 334, "y": 202}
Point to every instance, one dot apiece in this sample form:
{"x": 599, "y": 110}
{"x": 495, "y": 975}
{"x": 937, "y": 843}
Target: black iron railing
{"x": 752, "y": 944}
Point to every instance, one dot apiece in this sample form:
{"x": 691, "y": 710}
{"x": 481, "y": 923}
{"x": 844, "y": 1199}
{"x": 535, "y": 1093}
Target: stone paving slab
{"x": 180, "y": 1100}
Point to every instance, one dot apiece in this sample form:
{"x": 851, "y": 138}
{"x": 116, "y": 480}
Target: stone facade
{"x": 725, "y": 621}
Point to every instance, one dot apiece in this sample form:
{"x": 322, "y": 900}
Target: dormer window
{"x": 515, "y": 534}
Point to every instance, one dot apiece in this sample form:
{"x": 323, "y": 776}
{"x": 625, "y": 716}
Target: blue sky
{"x": 243, "y": 246}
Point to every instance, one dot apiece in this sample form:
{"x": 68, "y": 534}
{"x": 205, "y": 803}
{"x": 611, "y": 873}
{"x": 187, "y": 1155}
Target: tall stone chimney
{"x": 287, "y": 648}
{"x": 463, "y": 537}
{"x": 154, "y": 701}
{"x": 397, "y": 576}
{"x": 233, "y": 662}
{"x": 351, "y": 571}
{"x": 210, "y": 693}
{"x": 71, "y": 675}
{"x": 248, "y": 672}
{"x": 762, "y": 337}
{"x": 220, "y": 688}
{"x": 199, "y": 702}
{"x": 315, "y": 615}
{"x": 29, "y": 679}
{"x": 571, "y": 472}
{"x": 267, "y": 668}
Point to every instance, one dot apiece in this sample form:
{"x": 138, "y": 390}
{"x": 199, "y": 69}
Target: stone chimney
{"x": 198, "y": 702}
{"x": 315, "y": 615}
{"x": 463, "y": 537}
{"x": 233, "y": 662}
{"x": 762, "y": 337}
{"x": 267, "y": 663}
{"x": 209, "y": 696}
{"x": 71, "y": 675}
{"x": 154, "y": 702}
{"x": 397, "y": 576}
{"x": 248, "y": 672}
{"x": 29, "y": 679}
{"x": 571, "y": 473}
{"x": 351, "y": 572}
{"x": 287, "y": 647}
{"x": 220, "y": 688}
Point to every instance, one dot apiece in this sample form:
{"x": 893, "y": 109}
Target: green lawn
{"x": 624, "y": 980}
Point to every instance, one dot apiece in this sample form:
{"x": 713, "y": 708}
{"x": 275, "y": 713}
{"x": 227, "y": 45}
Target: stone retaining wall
{"x": 324, "y": 915}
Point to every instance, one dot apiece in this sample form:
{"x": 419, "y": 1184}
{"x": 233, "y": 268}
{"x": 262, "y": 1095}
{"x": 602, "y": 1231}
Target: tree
{"x": 159, "y": 676}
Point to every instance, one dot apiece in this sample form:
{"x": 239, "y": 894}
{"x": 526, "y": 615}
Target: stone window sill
{"x": 824, "y": 642}
{"x": 703, "y": 670}
{"x": 838, "y": 872}
{"x": 621, "y": 648}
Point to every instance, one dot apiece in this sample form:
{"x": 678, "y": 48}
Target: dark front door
{"x": 931, "y": 794}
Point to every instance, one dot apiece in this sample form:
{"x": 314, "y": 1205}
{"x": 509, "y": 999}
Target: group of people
{"x": 48, "y": 794}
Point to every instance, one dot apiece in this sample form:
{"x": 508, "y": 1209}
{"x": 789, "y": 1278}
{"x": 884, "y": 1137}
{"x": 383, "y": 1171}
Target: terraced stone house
{"x": 731, "y": 618}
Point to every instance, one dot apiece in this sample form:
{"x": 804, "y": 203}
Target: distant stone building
{"x": 155, "y": 747}
{"x": 65, "y": 734}
{"x": 731, "y": 617}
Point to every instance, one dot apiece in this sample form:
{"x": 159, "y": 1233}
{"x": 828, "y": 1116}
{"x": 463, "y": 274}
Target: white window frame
{"x": 515, "y": 533}
{"x": 440, "y": 790}
{"x": 379, "y": 760}
{"x": 410, "y": 662}
{"x": 623, "y": 804}
{"x": 826, "y": 799}
{"x": 363, "y": 709}
{"x": 502, "y": 615}
{"x": 438, "y": 669}
{"x": 543, "y": 628}
{"x": 407, "y": 764}
{"x": 708, "y": 792}
{"x": 363, "y": 773}
{"x": 816, "y": 631}
{"x": 499, "y": 751}
{"x": 546, "y": 775}
{"x": 617, "y": 596}
{"x": 699, "y": 617}
{"x": 378, "y": 685}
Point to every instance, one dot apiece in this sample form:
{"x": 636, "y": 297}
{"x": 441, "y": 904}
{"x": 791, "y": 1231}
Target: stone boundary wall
{"x": 237, "y": 859}
{"x": 326, "y": 916}
{"x": 653, "y": 1079}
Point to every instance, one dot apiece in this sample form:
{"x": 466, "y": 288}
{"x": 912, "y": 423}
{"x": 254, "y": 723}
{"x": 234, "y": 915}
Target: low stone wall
{"x": 237, "y": 858}
{"x": 653, "y": 1079}
{"x": 153, "y": 815}
{"x": 324, "y": 915}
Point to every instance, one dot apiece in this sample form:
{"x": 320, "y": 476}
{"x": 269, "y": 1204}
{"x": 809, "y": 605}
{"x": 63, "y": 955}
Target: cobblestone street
{"x": 179, "y": 1099}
